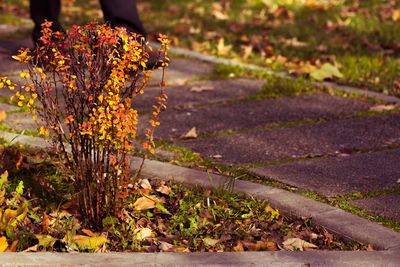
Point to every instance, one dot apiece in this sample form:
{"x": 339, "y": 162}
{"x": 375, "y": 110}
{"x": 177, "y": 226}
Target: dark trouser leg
{"x": 123, "y": 13}
{"x": 42, "y": 10}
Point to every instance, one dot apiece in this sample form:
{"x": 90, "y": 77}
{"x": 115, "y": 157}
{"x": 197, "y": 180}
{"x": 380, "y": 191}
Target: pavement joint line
{"x": 378, "y": 234}
{"x": 217, "y": 60}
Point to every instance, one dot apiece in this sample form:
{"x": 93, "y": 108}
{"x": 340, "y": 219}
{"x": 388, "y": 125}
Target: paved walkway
{"x": 328, "y": 144}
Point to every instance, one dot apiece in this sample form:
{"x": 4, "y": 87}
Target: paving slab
{"x": 258, "y": 113}
{"x": 385, "y": 205}
{"x": 200, "y": 92}
{"x": 20, "y": 121}
{"x": 7, "y": 107}
{"x": 339, "y": 175}
{"x": 9, "y": 47}
{"x": 183, "y": 70}
{"x": 327, "y": 138}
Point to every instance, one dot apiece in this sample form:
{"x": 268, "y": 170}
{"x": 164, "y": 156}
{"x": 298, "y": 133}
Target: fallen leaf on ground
{"x": 164, "y": 246}
{"x": 82, "y": 242}
{"x": 326, "y": 71}
{"x": 201, "y": 88}
{"x": 223, "y": 49}
{"x": 2, "y": 115}
{"x": 89, "y": 233}
{"x": 163, "y": 188}
{"x": 13, "y": 247}
{"x": 143, "y": 233}
{"x": 145, "y": 203}
{"x": 45, "y": 241}
{"x": 145, "y": 184}
{"x": 190, "y": 134}
{"x": 3, "y": 243}
{"x": 217, "y": 156}
{"x": 210, "y": 241}
{"x": 381, "y": 108}
{"x": 297, "y": 244}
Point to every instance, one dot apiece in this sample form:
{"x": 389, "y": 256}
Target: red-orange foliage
{"x": 85, "y": 80}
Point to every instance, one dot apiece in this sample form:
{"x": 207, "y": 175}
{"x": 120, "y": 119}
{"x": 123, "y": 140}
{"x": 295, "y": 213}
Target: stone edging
{"x": 197, "y": 259}
{"x": 217, "y": 60}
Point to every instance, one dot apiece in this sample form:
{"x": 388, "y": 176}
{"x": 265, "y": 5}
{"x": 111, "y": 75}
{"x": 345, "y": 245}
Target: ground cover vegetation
{"x": 351, "y": 42}
{"x": 39, "y": 212}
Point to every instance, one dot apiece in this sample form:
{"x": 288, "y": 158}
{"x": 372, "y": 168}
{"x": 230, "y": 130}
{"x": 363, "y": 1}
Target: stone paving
{"x": 316, "y": 142}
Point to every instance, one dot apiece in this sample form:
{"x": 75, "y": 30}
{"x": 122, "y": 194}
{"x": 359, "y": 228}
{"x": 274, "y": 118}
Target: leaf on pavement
{"x": 201, "y": 88}
{"x": 326, "y": 71}
{"x": 297, "y": 244}
{"x": 190, "y": 134}
{"x": 381, "y": 108}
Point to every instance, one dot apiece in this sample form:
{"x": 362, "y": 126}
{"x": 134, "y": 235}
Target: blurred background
{"x": 352, "y": 42}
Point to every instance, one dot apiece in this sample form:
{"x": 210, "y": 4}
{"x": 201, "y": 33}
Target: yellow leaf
{"x": 81, "y": 242}
{"x": 45, "y": 241}
{"x": 23, "y": 57}
{"x": 3, "y": 243}
{"x": 223, "y": 49}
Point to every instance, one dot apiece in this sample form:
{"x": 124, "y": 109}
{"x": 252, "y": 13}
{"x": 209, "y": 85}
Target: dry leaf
{"x": 82, "y": 242}
{"x": 297, "y": 244}
{"x": 210, "y": 241}
{"x": 181, "y": 249}
{"x": 220, "y": 15}
{"x": 201, "y": 88}
{"x": 163, "y": 189}
{"x": 89, "y": 233}
{"x": 217, "y": 156}
{"x": 145, "y": 184}
{"x": 164, "y": 246}
{"x": 381, "y": 108}
{"x": 143, "y": 233}
{"x": 266, "y": 246}
{"x": 3, "y": 244}
{"x": 238, "y": 247}
{"x": 145, "y": 203}
{"x": 246, "y": 51}
{"x": 2, "y": 115}
{"x": 13, "y": 247}
{"x": 223, "y": 49}
{"x": 191, "y": 134}
{"x": 45, "y": 223}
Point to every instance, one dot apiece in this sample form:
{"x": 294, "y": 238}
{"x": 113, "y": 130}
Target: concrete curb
{"x": 235, "y": 259}
{"x": 217, "y": 60}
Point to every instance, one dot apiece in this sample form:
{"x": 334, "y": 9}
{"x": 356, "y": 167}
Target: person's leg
{"x": 123, "y": 13}
{"x": 42, "y": 10}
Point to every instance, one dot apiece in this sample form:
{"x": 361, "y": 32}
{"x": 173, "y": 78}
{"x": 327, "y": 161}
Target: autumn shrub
{"x": 79, "y": 88}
